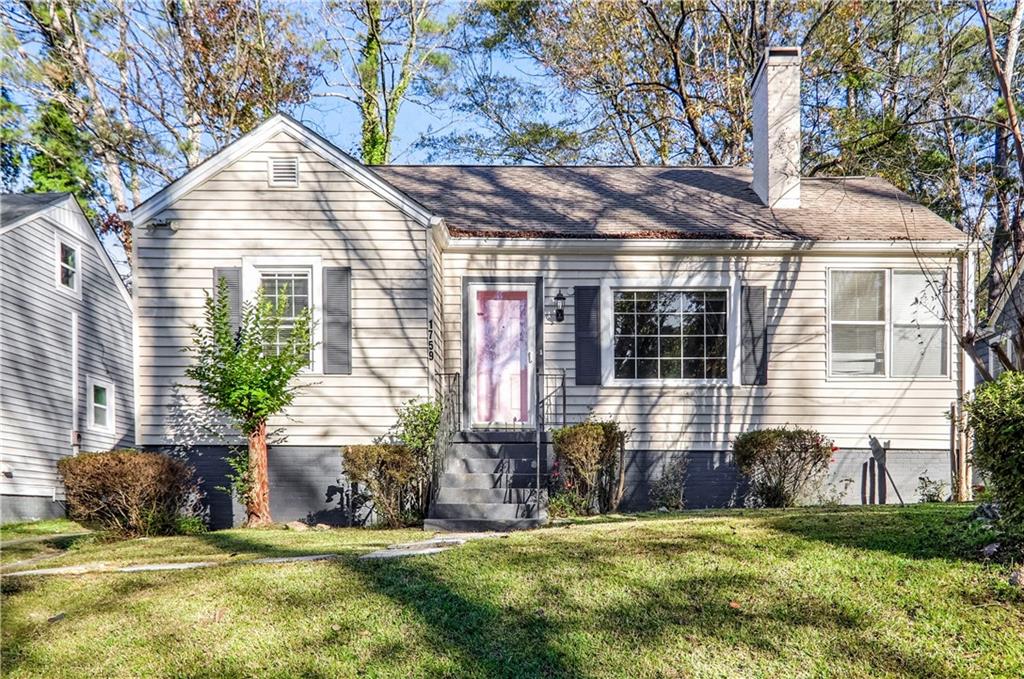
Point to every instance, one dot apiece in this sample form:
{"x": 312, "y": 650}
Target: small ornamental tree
{"x": 247, "y": 373}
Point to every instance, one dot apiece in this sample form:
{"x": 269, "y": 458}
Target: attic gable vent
{"x": 283, "y": 172}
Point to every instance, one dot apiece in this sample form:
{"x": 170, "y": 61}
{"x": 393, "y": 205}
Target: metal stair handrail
{"x": 449, "y": 392}
{"x": 551, "y": 397}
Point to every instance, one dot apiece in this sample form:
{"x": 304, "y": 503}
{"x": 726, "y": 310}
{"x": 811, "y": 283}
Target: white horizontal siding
{"x": 907, "y": 413}
{"x": 329, "y": 215}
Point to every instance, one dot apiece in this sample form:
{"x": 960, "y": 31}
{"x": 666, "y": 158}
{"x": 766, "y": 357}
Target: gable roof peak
{"x": 263, "y": 132}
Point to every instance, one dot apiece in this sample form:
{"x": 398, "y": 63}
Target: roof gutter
{"x": 765, "y": 248}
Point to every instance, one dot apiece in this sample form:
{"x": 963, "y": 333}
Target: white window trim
{"x": 90, "y": 419}
{"x": 888, "y": 324}
{"x": 270, "y": 173}
{"x": 59, "y": 240}
{"x": 251, "y": 267}
{"x": 730, "y": 282}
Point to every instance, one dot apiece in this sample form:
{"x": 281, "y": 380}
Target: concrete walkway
{"x": 435, "y": 545}
{"x": 439, "y": 543}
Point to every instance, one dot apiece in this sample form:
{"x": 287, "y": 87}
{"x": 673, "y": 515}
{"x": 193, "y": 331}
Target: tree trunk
{"x": 258, "y": 509}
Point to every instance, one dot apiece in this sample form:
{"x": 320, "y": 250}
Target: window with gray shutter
{"x": 587, "y": 301}
{"x": 233, "y": 277}
{"x": 753, "y": 316}
{"x": 337, "y": 320}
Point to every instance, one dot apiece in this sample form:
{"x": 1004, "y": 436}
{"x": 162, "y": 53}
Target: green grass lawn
{"x": 813, "y": 592}
{"x": 36, "y": 539}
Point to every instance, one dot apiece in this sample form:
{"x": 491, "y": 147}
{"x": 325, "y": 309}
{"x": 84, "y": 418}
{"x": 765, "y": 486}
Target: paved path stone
{"x": 182, "y": 566}
{"x": 295, "y": 559}
{"x": 435, "y": 545}
{"x": 146, "y": 567}
{"x": 439, "y": 543}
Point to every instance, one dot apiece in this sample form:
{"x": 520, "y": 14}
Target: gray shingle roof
{"x": 16, "y": 206}
{"x": 658, "y": 202}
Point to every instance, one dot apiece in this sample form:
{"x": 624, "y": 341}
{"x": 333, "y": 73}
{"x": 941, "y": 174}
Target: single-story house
{"x": 66, "y": 381}
{"x": 691, "y": 304}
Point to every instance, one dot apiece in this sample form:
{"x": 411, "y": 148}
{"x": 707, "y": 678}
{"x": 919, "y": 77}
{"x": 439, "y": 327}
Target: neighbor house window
{"x": 68, "y": 267}
{"x": 887, "y": 322}
{"x": 100, "y": 399}
{"x": 293, "y": 288}
{"x": 995, "y": 366}
{"x": 670, "y": 335}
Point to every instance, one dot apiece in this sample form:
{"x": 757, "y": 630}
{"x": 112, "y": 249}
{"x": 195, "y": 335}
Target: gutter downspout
{"x": 965, "y": 373}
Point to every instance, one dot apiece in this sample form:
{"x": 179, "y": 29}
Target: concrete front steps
{"x": 489, "y": 484}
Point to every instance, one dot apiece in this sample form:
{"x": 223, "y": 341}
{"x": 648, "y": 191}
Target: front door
{"x": 501, "y": 355}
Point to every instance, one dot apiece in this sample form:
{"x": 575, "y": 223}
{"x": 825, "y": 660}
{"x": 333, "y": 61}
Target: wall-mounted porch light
{"x": 559, "y": 307}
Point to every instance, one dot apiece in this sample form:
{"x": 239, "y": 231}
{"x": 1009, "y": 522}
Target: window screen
{"x": 857, "y": 306}
{"x": 919, "y": 337}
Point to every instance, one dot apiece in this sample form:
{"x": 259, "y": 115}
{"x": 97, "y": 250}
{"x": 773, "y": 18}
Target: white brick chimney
{"x": 777, "y": 128}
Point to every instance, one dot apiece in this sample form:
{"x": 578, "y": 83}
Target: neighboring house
{"x": 65, "y": 350}
{"x": 1004, "y": 324}
{"x": 691, "y": 304}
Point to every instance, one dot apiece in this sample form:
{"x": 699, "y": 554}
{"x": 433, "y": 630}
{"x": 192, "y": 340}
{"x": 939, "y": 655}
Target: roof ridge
{"x": 562, "y": 167}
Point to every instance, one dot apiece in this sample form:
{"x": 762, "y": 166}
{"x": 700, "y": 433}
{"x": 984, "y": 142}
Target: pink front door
{"x": 502, "y": 357}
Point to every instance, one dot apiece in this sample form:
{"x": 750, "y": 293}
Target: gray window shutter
{"x": 587, "y": 301}
{"x": 233, "y": 276}
{"x": 337, "y": 320}
{"x": 753, "y": 318}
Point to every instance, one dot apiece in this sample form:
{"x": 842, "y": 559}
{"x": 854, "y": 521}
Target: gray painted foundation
{"x": 29, "y": 508}
{"x": 306, "y": 484}
{"x": 858, "y": 476}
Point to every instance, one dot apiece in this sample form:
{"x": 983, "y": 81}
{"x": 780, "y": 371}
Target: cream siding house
{"x": 690, "y": 304}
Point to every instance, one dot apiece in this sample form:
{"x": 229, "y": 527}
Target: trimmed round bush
{"x": 387, "y": 471}
{"x": 131, "y": 493}
{"x": 996, "y": 415}
{"x": 591, "y": 465}
{"x": 783, "y": 465}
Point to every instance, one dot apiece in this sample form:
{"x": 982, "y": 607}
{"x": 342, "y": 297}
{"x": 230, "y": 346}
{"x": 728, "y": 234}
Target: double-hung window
{"x": 100, "y": 396}
{"x": 68, "y": 267}
{"x": 667, "y": 334}
{"x": 888, "y": 322}
{"x": 292, "y": 287}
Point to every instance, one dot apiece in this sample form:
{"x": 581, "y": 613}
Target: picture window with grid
{"x": 670, "y": 335}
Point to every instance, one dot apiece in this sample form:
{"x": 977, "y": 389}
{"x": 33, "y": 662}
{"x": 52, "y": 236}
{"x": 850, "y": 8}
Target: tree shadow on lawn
{"x": 923, "y": 531}
{"x": 261, "y": 543}
{"x": 631, "y": 615}
{"x": 20, "y": 635}
{"x": 539, "y": 608}
{"x": 934, "y": 531}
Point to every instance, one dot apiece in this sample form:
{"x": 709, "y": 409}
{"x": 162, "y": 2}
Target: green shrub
{"x": 416, "y": 429}
{"x": 996, "y": 416}
{"x": 929, "y": 490}
{"x": 131, "y": 493}
{"x": 783, "y": 465}
{"x": 566, "y": 503}
{"x": 239, "y": 484}
{"x": 667, "y": 490}
{"x": 590, "y": 457}
{"x": 386, "y": 470}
